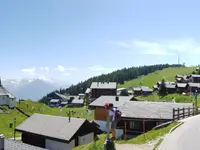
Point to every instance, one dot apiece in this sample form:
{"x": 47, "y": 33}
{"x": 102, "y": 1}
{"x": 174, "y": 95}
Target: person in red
{"x": 115, "y": 117}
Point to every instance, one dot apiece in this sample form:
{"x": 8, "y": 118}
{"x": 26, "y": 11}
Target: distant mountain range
{"x": 33, "y": 89}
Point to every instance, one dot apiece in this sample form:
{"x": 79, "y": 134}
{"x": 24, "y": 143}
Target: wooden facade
{"x": 96, "y": 93}
{"x": 100, "y": 114}
{"x": 40, "y": 140}
{"x": 135, "y": 126}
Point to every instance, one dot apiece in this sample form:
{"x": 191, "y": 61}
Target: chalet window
{"x": 134, "y": 125}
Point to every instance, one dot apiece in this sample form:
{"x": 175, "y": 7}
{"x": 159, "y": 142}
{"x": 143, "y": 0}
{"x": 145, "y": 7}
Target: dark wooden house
{"x": 139, "y": 117}
{"x": 181, "y": 87}
{"x": 171, "y": 88}
{"x": 100, "y": 112}
{"x": 103, "y": 88}
{"x": 195, "y": 78}
{"x": 137, "y": 91}
{"x": 192, "y": 87}
{"x": 76, "y": 103}
{"x": 54, "y": 132}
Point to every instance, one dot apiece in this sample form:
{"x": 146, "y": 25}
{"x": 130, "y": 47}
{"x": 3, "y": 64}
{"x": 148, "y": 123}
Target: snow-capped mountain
{"x": 33, "y": 89}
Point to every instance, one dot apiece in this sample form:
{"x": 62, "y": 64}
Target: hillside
{"x": 119, "y": 76}
{"x": 151, "y": 79}
{"x": 30, "y": 107}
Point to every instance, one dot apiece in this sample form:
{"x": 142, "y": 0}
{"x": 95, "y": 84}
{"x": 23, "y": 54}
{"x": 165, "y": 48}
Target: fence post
{"x": 178, "y": 113}
{"x": 193, "y": 111}
{"x": 173, "y": 114}
{"x": 188, "y": 111}
{"x": 183, "y": 112}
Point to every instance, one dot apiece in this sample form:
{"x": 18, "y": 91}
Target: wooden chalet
{"x": 55, "y": 132}
{"x": 182, "y": 88}
{"x": 100, "y": 112}
{"x": 171, "y": 88}
{"x": 76, "y": 103}
{"x": 139, "y": 117}
{"x": 192, "y": 87}
{"x": 195, "y": 78}
{"x": 103, "y": 88}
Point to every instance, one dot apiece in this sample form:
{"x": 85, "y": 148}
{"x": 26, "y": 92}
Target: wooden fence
{"x": 184, "y": 113}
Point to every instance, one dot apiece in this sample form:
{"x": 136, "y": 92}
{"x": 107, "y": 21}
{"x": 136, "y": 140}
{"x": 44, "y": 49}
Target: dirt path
{"x": 147, "y": 146}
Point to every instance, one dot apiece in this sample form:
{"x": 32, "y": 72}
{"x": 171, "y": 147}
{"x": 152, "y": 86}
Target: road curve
{"x": 185, "y": 137}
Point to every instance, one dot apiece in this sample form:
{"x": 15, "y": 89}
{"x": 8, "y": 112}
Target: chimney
{"x": 116, "y": 98}
{"x": 1, "y": 142}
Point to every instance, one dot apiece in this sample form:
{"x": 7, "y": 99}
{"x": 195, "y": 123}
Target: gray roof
{"x": 150, "y": 110}
{"x": 14, "y": 145}
{"x": 88, "y": 90}
{"x": 121, "y": 89}
{"x": 170, "y": 86}
{"x": 101, "y": 101}
{"x": 4, "y": 92}
{"x": 77, "y": 101}
{"x": 194, "y": 85}
{"x": 137, "y": 89}
{"x": 103, "y": 85}
{"x": 146, "y": 89}
{"x": 155, "y": 86}
{"x": 62, "y": 96}
{"x": 195, "y": 75}
{"x": 64, "y": 103}
{"x": 181, "y": 85}
{"x": 54, "y": 100}
{"x": 51, "y": 126}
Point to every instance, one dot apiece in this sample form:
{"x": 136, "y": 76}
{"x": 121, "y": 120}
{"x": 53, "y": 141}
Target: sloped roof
{"x": 181, "y": 85}
{"x": 194, "y": 85}
{"x": 77, "y": 101}
{"x": 103, "y": 85}
{"x": 14, "y": 145}
{"x": 137, "y": 89}
{"x": 51, "y": 126}
{"x": 4, "y": 92}
{"x": 195, "y": 75}
{"x": 88, "y": 90}
{"x": 170, "y": 86}
{"x": 62, "y": 96}
{"x": 150, "y": 110}
{"x": 101, "y": 101}
{"x": 54, "y": 100}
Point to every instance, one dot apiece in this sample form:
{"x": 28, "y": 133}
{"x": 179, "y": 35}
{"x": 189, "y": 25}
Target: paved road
{"x": 185, "y": 137}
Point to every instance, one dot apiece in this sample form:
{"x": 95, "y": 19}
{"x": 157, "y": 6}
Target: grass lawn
{"x": 151, "y": 79}
{"x": 142, "y": 139}
{"x": 151, "y": 135}
{"x": 34, "y": 107}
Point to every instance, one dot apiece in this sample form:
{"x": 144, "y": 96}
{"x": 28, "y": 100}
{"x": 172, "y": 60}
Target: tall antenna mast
{"x": 178, "y": 59}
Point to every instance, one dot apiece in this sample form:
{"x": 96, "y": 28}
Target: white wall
{"x": 86, "y": 139}
{"x": 54, "y": 145}
{"x": 102, "y": 125}
{"x": 5, "y": 100}
{"x": 119, "y": 133}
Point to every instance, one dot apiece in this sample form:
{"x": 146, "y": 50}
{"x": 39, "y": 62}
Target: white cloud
{"x": 66, "y": 74}
{"x": 47, "y": 69}
{"x": 29, "y": 70}
{"x": 161, "y": 47}
{"x": 61, "y": 68}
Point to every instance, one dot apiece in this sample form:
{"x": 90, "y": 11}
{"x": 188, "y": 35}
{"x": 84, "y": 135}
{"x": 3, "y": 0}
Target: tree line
{"x": 119, "y": 76}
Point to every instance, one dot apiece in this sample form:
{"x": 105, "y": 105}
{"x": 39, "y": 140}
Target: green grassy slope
{"x": 142, "y": 139}
{"x": 34, "y": 107}
{"x": 151, "y": 79}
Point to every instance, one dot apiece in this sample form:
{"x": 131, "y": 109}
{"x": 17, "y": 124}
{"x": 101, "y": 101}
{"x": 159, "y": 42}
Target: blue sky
{"x": 74, "y": 40}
